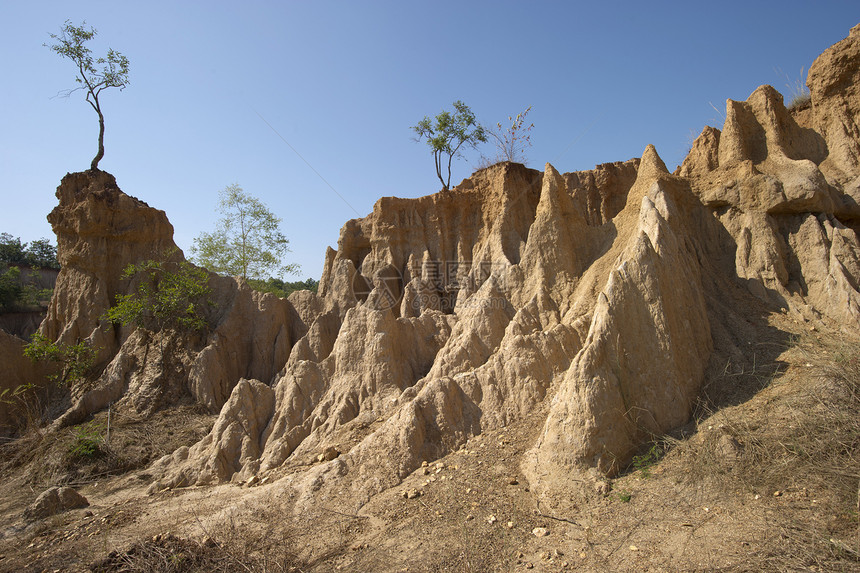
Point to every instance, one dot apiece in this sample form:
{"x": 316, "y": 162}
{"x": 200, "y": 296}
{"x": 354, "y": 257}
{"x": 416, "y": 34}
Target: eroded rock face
{"x": 101, "y": 230}
{"x": 478, "y": 338}
{"x": 607, "y": 293}
{"x": 643, "y": 359}
{"x": 16, "y": 371}
{"x": 232, "y": 449}
{"x": 602, "y": 298}
{"x": 788, "y": 195}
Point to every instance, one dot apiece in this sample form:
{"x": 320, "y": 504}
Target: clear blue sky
{"x": 342, "y": 82}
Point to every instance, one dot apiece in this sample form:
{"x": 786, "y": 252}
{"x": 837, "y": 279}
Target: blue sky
{"x": 342, "y": 82}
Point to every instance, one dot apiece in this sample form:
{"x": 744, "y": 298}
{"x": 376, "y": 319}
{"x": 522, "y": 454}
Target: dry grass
{"x": 56, "y": 457}
{"x": 765, "y": 479}
{"x": 232, "y": 551}
{"x": 263, "y": 541}
{"x": 799, "y": 443}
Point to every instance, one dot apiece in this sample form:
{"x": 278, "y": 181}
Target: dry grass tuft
{"x": 83, "y": 453}
{"x": 257, "y": 547}
{"x": 171, "y": 554}
{"x": 800, "y": 446}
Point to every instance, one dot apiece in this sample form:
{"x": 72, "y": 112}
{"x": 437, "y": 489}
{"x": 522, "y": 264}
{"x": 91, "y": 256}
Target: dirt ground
{"x": 766, "y": 483}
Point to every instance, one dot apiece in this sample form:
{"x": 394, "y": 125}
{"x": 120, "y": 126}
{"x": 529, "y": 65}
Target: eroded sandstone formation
{"x": 602, "y": 300}
{"x": 101, "y": 230}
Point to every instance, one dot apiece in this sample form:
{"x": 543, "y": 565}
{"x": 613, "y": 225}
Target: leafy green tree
{"x": 247, "y": 242}
{"x": 12, "y": 250}
{"x": 281, "y": 288}
{"x": 448, "y": 133}
{"x": 113, "y": 73}
{"x": 16, "y": 292}
{"x": 169, "y": 295}
{"x": 10, "y": 287}
{"x": 42, "y": 254}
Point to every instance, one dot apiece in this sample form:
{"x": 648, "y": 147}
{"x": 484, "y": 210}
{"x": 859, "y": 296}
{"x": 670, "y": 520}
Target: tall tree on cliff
{"x": 70, "y": 43}
{"x": 447, "y": 133}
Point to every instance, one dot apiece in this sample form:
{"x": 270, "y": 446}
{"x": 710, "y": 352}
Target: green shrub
{"x": 644, "y": 462}
{"x": 87, "y": 441}
{"x": 281, "y": 288}
{"x": 169, "y": 295}
{"x": 76, "y": 360}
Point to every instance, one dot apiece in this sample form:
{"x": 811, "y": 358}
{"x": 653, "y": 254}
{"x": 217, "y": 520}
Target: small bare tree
{"x": 512, "y": 141}
{"x": 70, "y": 43}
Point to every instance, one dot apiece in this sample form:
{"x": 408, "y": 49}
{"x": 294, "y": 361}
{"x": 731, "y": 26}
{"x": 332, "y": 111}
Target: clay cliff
{"x": 600, "y": 302}
{"x": 100, "y": 230}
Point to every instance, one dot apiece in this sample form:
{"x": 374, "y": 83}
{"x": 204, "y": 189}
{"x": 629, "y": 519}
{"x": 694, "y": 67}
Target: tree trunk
{"x": 95, "y": 164}
{"x": 450, "y": 158}
{"x": 437, "y": 156}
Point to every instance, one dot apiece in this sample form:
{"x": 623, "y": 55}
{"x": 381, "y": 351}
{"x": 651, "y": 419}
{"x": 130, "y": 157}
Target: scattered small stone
{"x": 328, "y": 455}
{"x": 470, "y": 517}
{"x": 777, "y": 493}
{"x": 634, "y": 548}
{"x": 540, "y": 532}
{"x": 602, "y": 487}
{"x": 513, "y": 481}
{"x": 424, "y": 463}
{"x": 412, "y": 493}
{"x": 510, "y": 525}
{"x": 492, "y": 519}
{"x": 530, "y": 566}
